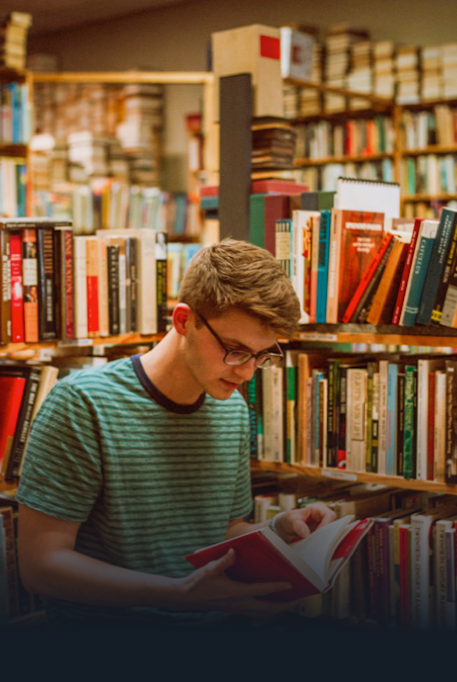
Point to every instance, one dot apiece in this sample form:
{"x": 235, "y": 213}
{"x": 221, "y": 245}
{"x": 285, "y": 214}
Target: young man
{"x": 134, "y": 465}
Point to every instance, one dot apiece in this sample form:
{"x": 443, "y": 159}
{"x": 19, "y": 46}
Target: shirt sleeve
{"x": 242, "y": 502}
{"x": 62, "y": 471}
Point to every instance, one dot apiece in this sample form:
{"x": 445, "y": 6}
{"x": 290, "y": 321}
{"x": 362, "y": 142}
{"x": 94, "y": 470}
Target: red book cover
{"x": 17, "y": 298}
{"x": 277, "y": 186}
{"x": 367, "y": 276}
{"x": 92, "y": 287}
{"x": 5, "y": 287}
{"x": 30, "y": 284}
{"x": 361, "y": 233}
{"x": 310, "y": 565}
{"x": 406, "y": 271}
{"x": 11, "y": 390}
{"x": 276, "y": 208}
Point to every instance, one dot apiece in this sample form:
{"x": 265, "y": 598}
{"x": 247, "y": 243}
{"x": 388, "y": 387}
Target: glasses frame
{"x": 280, "y": 353}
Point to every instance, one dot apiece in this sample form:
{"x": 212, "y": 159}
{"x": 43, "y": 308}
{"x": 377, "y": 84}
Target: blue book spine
{"x": 436, "y": 266}
{"x": 322, "y": 268}
{"x": 424, "y": 253}
{"x": 391, "y": 451}
{"x": 15, "y": 115}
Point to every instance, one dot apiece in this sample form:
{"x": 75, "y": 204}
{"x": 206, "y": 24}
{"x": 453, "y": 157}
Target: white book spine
{"x": 80, "y": 303}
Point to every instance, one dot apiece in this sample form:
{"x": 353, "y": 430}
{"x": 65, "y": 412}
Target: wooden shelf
{"x": 428, "y": 197}
{"x": 359, "y": 477}
{"x": 385, "y": 334}
{"x": 10, "y": 149}
{"x": 122, "y": 339}
{"x": 360, "y": 158}
{"x": 431, "y": 149}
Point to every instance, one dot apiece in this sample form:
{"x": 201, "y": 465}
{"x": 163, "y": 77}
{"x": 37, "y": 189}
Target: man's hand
{"x": 208, "y": 588}
{"x": 302, "y": 522}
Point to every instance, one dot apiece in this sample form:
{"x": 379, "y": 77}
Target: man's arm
{"x": 50, "y": 566}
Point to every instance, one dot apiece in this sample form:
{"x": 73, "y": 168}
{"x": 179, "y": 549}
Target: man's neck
{"x": 166, "y": 369}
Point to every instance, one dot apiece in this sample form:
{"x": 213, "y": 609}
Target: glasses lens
{"x": 237, "y": 357}
{"x": 266, "y": 361}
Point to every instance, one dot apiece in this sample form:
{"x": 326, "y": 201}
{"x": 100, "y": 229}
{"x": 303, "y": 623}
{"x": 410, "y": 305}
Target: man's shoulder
{"x": 104, "y": 377}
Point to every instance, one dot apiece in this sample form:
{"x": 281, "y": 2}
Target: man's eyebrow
{"x": 242, "y": 346}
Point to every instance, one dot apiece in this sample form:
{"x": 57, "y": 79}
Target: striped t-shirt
{"x": 150, "y": 480}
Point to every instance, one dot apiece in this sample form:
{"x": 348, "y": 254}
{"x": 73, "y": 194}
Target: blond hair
{"x": 236, "y": 274}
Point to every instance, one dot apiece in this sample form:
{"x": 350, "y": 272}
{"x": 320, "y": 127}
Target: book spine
{"x": 431, "y": 426}
{"x": 440, "y": 427}
{"x": 5, "y": 271}
{"x": 132, "y": 265}
{"x": 451, "y": 426}
{"x": 449, "y": 268}
{"x": 23, "y": 424}
{"x": 314, "y": 265}
{"x": 17, "y": 298}
{"x": 391, "y": 445}
{"x": 11, "y": 563}
{"x": 418, "y": 274}
{"x": 30, "y": 284}
{"x": 408, "y": 452}
{"x": 331, "y": 414}
{"x": 406, "y": 271}
{"x": 387, "y": 238}
{"x": 47, "y": 318}
{"x": 404, "y": 539}
{"x": 400, "y": 423}
{"x": 342, "y": 461}
{"x": 322, "y": 266}
{"x": 161, "y": 283}
{"x": 333, "y": 269}
{"x": 451, "y": 617}
{"x": 66, "y": 289}
{"x": 92, "y": 286}
{"x": 103, "y": 313}
{"x": 436, "y": 266}
{"x": 283, "y": 244}
{"x": 112, "y": 254}
{"x": 363, "y": 307}
{"x": 375, "y": 424}
{"x": 382, "y": 571}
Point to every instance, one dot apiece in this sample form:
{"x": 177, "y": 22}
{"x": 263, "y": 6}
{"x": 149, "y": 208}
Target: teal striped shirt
{"x": 150, "y": 480}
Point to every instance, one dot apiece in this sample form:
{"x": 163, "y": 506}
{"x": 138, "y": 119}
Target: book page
{"x": 317, "y": 549}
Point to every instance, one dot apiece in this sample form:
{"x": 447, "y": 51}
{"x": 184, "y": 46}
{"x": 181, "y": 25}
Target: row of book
{"x": 402, "y": 574}
{"x": 105, "y": 203}
{"x": 367, "y": 414}
{"x": 57, "y": 286}
{"x": 13, "y": 187}
{"x": 428, "y": 174}
{"x": 324, "y": 178}
{"x": 15, "y": 602}
{"x": 357, "y": 137}
{"x": 357, "y": 267}
{"x": 15, "y": 113}
{"x": 435, "y": 126}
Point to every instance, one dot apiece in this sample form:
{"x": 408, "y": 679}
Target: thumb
{"x": 220, "y": 565}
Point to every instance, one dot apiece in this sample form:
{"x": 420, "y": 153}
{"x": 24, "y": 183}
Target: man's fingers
{"x": 220, "y": 565}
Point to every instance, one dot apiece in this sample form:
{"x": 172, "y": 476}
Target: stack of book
{"x": 449, "y": 66}
{"x": 408, "y": 69}
{"x": 432, "y": 75}
{"x": 13, "y": 39}
{"x": 310, "y": 99}
{"x": 360, "y": 76}
{"x": 273, "y": 144}
{"x": 384, "y": 69}
{"x": 89, "y": 151}
{"x": 338, "y": 44}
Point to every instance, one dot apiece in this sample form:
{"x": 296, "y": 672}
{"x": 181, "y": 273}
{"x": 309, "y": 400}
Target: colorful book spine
{"x": 30, "y": 284}
{"x": 47, "y": 308}
{"x": 419, "y": 271}
{"x": 283, "y": 244}
{"x": 406, "y": 270}
{"x": 17, "y": 297}
{"x": 446, "y": 227}
{"x": 322, "y": 267}
{"x": 391, "y": 445}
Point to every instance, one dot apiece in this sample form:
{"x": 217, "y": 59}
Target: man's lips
{"x": 231, "y": 383}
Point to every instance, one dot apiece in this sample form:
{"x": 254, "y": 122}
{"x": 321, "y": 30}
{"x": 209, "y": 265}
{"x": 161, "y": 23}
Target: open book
{"x": 311, "y": 565}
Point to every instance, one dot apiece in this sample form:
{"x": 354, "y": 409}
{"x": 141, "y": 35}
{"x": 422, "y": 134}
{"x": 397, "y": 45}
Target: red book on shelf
{"x": 30, "y": 284}
{"x": 310, "y": 565}
{"x": 406, "y": 270}
{"x": 17, "y": 298}
{"x": 367, "y": 276}
{"x": 11, "y": 390}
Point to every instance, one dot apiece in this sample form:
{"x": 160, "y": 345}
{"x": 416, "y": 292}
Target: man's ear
{"x": 181, "y": 316}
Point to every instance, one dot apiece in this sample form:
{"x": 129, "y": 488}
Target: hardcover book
{"x": 310, "y": 565}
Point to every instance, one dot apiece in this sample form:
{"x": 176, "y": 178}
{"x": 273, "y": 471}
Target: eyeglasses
{"x": 263, "y": 360}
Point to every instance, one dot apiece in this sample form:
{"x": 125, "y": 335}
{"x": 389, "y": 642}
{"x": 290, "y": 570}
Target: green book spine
{"x": 257, "y": 220}
{"x": 408, "y": 440}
